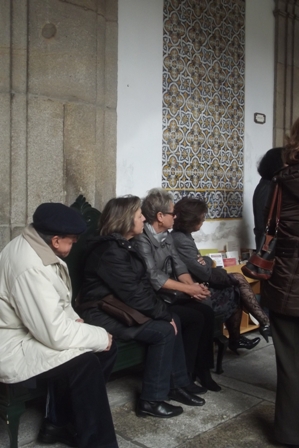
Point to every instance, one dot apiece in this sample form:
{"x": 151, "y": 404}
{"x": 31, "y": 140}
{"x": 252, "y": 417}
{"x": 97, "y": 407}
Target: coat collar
{"x": 42, "y": 249}
{"x": 153, "y": 240}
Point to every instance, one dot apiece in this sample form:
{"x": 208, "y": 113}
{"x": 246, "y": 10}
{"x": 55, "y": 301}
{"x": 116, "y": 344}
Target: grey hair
{"x": 48, "y": 238}
{"x": 157, "y": 200}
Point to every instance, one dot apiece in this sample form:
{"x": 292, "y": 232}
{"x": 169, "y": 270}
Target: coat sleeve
{"x": 188, "y": 252}
{"x": 145, "y": 248}
{"x": 48, "y": 318}
{"x": 115, "y": 269}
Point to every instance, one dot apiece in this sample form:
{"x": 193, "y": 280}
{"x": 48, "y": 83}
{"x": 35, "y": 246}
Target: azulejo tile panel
{"x": 203, "y": 102}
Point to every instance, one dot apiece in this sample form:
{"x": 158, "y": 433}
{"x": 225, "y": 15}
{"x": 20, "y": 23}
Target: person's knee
{"x": 163, "y": 332}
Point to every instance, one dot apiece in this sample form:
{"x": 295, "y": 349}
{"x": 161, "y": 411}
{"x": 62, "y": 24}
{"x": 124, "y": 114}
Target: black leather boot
{"x": 183, "y": 396}
{"x": 157, "y": 409}
{"x": 265, "y": 331}
{"x": 52, "y": 434}
{"x": 243, "y": 342}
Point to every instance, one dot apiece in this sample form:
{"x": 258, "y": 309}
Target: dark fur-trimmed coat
{"x": 281, "y": 292}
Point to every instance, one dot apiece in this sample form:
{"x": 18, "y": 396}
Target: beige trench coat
{"x": 38, "y": 328}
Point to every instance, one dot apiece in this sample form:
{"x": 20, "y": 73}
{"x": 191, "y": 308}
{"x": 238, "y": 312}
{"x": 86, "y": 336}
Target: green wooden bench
{"x": 14, "y": 397}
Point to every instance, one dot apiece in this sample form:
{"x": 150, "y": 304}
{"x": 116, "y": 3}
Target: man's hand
{"x": 174, "y": 326}
{"x": 110, "y": 338}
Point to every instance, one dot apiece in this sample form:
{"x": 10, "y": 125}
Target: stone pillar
{"x": 58, "y": 89}
{"x": 286, "y": 67}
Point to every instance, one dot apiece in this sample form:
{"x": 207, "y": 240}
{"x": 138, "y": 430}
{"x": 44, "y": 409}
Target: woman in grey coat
{"x": 190, "y": 215}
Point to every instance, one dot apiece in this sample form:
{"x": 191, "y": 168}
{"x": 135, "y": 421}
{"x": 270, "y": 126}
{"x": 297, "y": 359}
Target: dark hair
{"x": 291, "y": 152}
{"x": 189, "y": 213}
{"x": 157, "y": 200}
{"x": 118, "y": 215}
{"x": 270, "y": 163}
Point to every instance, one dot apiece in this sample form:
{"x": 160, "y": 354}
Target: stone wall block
{"x": 46, "y": 168}
{"x": 19, "y": 46}
{"x": 84, "y": 4}
{"x": 4, "y": 236}
{"x": 63, "y": 65}
{"x": 5, "y": 20}
{"x": 18, "y": 160}
{"x": 279, "y": 137}
{"x": 296, "y": 42}
{"x": 280, "y": 74}
{"x": 295, "y": 94}
{"x": 5, "y": 158}
{"x": 101, "y": 42}
{"x": 102, "y": 7}
{"x": 106, "y": 157}
{"x": 111, "y": 64}
{"x": 111, "y": 10}
{"x": 99, "y": 159}
{"x": 79, "y": 150}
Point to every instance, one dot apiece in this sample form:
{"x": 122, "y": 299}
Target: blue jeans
{"x": 165, "y": 365}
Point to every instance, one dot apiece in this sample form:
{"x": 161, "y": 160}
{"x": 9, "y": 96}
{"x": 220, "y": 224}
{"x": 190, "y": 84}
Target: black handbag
{"x": 171, "y": 296}
{"x": 260, "y": 265}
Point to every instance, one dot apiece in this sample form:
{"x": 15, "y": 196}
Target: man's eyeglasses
{"x": 169, "y": 213}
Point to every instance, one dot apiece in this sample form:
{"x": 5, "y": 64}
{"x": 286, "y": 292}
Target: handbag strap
{"x": 275, "y": 203}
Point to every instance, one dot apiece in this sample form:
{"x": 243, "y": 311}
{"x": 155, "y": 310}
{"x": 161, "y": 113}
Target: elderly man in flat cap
{"x": 42, "y": 336}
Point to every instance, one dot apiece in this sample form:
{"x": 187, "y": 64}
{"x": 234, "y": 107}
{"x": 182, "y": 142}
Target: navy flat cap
{"x": 57, "y": 219}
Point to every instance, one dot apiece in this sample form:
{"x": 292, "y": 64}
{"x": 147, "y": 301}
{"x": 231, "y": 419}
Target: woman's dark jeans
{"x": 165, "y": 366}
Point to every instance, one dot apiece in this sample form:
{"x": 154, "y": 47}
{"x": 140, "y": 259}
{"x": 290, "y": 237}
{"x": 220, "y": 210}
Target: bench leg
{"x": 12, "y": 420}
{"x": 222, "y": 343}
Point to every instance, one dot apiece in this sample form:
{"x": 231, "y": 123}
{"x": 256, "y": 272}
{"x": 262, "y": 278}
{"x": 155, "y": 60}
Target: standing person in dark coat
{"x": 270, "y": 163}
{"x": 281, "y": 295}
{"x": 114, "y": 267}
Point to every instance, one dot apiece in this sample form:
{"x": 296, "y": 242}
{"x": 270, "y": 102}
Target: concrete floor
{"x": 240, "y": 416}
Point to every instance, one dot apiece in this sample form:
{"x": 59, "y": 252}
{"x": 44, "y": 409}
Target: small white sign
{"x": 217, "y": 258}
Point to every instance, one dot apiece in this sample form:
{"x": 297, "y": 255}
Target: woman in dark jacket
{"x": 156, "y": 246}
{"x": 114, "y": 267}
{"x": 190, "y": 216}
{"x": 281, "y": 295}
{"x": 270, "y": 163}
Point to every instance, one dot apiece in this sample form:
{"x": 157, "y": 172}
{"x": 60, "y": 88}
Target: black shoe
{"x": 182, "y": 396}
{"x": 265, "y": 331}
{"x": 51, "y": 434}
{"x": 157, "y": 409}
{"x": 207, "y": 381}
{"x": 243, "y": 342}
{"x": 195, "y": 389}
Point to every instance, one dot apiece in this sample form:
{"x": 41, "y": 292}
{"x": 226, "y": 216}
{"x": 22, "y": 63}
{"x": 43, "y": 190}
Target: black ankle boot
{"x": 243, "y": 342}
{"x": 265, "y": 331}
{"x": 51, "y": 434}
{"x": 207, "y": 381}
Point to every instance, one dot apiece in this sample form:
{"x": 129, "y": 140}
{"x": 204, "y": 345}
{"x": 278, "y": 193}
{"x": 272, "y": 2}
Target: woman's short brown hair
{"x": 291, "y": 153}
{"x": 189, "y": 213}
{"x": 118, "y": 215}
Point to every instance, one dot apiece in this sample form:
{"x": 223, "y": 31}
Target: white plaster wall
{"x": 139, "y": 129}
{"x": 139, "y": 109}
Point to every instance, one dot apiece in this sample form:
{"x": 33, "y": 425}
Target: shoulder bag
{"x": 118, "y": 309}
{"x": 260, "y": 265}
